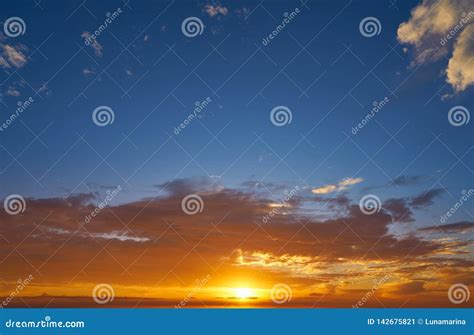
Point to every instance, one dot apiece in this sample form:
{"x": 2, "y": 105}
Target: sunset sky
{"x": 235, "y": 209}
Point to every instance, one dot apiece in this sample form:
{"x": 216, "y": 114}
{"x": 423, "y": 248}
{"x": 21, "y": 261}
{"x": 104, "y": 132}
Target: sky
{"x": 251, "y": 153}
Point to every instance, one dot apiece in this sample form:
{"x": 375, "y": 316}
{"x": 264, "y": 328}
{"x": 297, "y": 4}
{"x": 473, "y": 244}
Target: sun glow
{"x": 244, "y": 293}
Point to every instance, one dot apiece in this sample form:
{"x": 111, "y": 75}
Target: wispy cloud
{"x": 12, "y": 56}
{"x": 93, "y": 43}
{"x": 342, "y": 185}
{"x": 214, "y": 10}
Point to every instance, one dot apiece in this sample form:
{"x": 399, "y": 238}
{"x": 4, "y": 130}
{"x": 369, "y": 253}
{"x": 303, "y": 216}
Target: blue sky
{"x": 320, "y": 66}
{"x": 317, "y": 144}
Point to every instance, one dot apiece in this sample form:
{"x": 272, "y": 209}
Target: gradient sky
{"x": 320, "y": 66}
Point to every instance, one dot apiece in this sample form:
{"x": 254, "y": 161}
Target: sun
{"x": 243, "y": 293}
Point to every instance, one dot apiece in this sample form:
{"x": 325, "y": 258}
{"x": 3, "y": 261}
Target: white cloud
{"x": 92, "y": 42}
{"x": 12, "y": 56}
{"x": 433, "y": 29}
{"x": 216, "y": 10}
{"x": 88, "y": 72}
{"x": 460, "y": 71}
{"x": 13, "y": 92}
{"x": 342, "y": 185}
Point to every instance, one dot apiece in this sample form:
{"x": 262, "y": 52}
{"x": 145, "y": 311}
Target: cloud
{"x": 153, "y": 237}
{"x": 213, "y": 10}
{"x": 457, "y": 227}
{"x": 93, "y": 43}
{"x": 407, "y": 180}
{"x": 342, "y": 185}
{"x": 431, "y": 28}
{"x": 12, "y": 56}
{"x": 460, "y": 71}
{"x": 399, "y": 210}
{"x": 88, "y": 71}
{"x": 426, "y": 198}
{"x": 13, "y": 92}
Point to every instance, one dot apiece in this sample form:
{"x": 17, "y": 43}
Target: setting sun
{"x": 244, "y": 293}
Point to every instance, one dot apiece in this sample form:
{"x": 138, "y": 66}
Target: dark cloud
{"x": 399, "y": 210}
{"x": 426, "y": 198}
{"x": 408, "y": 180}
{"x": 152, "y": 237}
{"x": 451, "y": 227}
